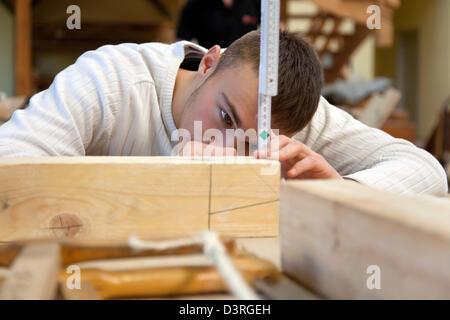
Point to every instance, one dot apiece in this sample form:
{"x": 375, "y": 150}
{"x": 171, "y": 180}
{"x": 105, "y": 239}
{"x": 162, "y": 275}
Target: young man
{"x": 131, "y": 99}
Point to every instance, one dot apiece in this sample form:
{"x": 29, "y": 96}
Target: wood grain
{"x": 104, "y": 199}
{"x": 85, "y": 292}
{"x": 244, "y": 204}
{"x": 33, "y": 274}
{"x": 332, "y": 231}
{"x": 157, "y": 281}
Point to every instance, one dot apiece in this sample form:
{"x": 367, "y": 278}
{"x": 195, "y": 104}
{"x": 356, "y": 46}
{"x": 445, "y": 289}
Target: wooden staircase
{"x": 334, "y": 45}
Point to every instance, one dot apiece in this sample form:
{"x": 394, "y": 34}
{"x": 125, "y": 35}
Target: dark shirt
{"x": 211, "y": 23}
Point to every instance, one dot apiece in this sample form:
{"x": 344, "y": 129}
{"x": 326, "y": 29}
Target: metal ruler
{"x": 268, "y": 68}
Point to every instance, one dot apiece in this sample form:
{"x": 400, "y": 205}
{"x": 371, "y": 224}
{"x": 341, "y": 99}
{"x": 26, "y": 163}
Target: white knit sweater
{"x": 117, "y": 100}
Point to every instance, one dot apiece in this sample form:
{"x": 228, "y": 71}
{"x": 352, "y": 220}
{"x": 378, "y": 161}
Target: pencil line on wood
{"x": 65, "y": 227}
{"x": 247, "y": 206}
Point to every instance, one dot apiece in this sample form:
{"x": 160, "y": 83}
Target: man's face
{"x": 226, "y": 100}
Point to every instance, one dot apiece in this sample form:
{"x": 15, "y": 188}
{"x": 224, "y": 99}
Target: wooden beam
{"x": 332, "y": 231}
{"x": 283, "y": 11}
{"x": 86, "y": 291}
{"x": 73, "y": 253}
{"x": 167, "y": 277}
{"x": 34, "y": 273}
{"x": 107, "y": 199}
{"x": 23, "y": 47}
{"x": 244, "y": 204}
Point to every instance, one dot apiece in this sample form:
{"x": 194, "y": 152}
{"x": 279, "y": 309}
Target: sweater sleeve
{"x": 75, "y": 114}
{"x": 371, "y": 156}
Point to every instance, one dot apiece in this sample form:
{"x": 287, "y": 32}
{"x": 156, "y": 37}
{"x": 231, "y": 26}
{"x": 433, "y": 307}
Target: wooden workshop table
{"x": 265, "y": 248}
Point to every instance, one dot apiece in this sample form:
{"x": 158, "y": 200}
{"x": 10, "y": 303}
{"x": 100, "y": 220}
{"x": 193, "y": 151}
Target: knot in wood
{"x": 65, "y": 226}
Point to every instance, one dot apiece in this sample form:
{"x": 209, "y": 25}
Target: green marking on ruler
{"x": 264, "y": 135}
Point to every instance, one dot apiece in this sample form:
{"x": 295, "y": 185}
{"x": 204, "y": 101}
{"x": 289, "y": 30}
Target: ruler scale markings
{"x": 268, "y": 68}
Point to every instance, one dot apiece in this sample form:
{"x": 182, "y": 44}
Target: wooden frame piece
{"x": 33, "y": 274}
{"x": 335, "y": 234}
{"x": 107, "y": 199}
{"x": 23, "y": 47}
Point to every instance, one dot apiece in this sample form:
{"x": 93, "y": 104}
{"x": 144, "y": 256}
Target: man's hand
{"x": 297, "y": 160}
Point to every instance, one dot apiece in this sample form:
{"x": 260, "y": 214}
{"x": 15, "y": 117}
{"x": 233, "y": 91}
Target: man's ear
{"x": 209, "y": 60}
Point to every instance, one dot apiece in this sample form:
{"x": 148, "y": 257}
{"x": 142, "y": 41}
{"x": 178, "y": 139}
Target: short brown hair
{"x": 300, "y": 77}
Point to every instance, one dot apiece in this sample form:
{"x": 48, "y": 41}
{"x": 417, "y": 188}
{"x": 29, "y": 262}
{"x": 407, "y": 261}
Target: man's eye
{"x": 226, "y": 117}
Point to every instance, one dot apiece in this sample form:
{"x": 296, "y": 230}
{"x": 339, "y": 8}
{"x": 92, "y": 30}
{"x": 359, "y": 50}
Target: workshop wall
{"x": 430, "y": 20}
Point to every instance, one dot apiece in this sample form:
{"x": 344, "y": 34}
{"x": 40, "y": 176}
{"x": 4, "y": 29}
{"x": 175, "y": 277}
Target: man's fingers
{"x": 276, "y": 143}
{"x": 279, "y": 142}
{"x": 293, "y": 150}
{"x": 301, "y": 167}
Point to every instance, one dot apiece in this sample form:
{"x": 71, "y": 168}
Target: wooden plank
{"x": 283, "y": 11}
{"x": 379, "y": 107}
{"x": 104, "y": 199}
{"x": 23, "y": 47}
{"x": 244, "y": 204}
{"x": 196, "y": 278}
{"x": 33, "y": 274}
{"x": 264, "y": 248}
{"x": 72, "y": 253}
{"x": 86, "y": 292}
{"x": 332, "y": 231}
{"x": 260, "y": 220}
{"x": 283, "y": 288}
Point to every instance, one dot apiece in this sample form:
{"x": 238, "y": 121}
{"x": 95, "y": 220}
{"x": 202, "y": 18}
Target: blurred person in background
{"x": 211, "y": 22}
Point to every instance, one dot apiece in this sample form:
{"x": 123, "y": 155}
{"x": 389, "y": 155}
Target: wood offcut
{"x": 334, "y": 234}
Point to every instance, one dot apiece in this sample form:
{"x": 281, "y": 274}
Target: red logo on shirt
{"x": 246, "y": 19}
